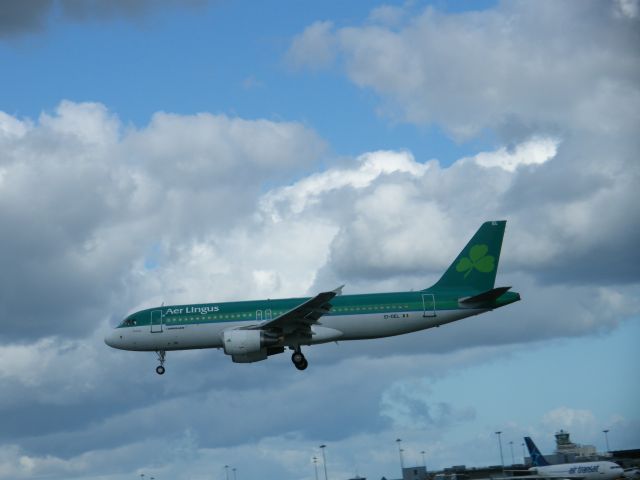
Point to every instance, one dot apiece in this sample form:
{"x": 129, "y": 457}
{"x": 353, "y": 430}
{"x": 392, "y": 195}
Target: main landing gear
{"x": 160, "y": 368}
{"x": 298, "y": 359}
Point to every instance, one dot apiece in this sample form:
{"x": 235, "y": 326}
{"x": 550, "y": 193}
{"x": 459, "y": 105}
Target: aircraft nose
{"x": 111, "y": 339}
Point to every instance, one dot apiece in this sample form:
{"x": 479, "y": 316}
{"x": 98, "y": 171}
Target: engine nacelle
{"x": 262, "y": 354}
{"x": 245, "y": 342}
{"x": 250, "y": 357}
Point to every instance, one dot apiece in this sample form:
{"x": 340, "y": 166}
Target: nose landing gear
{"x": 298, "y": 359}
{"x": 160, "y": 368}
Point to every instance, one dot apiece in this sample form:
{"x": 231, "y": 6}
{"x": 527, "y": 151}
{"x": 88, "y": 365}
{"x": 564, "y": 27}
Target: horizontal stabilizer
{"x": 483, "y": 298}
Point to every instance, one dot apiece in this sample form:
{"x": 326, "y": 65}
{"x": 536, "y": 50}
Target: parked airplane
{"x": 632, "y": 473}
{"x": 251, "y": 331}
{"x": 575, "y": 471}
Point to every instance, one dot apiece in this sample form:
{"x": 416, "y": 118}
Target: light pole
{"x": 226, "y": 471}
{"x": 315, "y": 465}
{"x": 399, "y": 442}
{"x": 234, "y": 473}
{"x": 500, "y": 445}
{"x": 606, "y": 439}
{"x": 424, "y": 463}
{"x": 513, "y": 459}
{"x": 523, "y": 454}
{"x": 324, "y": 461}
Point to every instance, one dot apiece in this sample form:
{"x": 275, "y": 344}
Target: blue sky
{"x": 221, "y": 58}
{"x": 575, "y": 370}
{"x": 198, "y": 151}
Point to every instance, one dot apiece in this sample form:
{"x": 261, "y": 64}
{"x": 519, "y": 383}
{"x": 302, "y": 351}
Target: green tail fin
{"x": 476, "y": 266}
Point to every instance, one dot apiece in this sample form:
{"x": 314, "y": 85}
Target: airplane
{"x": 632, "y": 473}
{"x": 541, "y": 468}
{"x": 251, "y": 331}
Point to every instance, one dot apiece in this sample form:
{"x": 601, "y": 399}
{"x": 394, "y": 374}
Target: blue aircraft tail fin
{"x": 537, "y": 459}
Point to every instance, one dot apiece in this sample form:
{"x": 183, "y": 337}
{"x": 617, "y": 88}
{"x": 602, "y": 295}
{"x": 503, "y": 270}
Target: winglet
{"x": 338, "y": 291}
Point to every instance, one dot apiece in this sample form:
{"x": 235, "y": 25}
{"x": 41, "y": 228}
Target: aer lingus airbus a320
{"x": 251, "y": 331}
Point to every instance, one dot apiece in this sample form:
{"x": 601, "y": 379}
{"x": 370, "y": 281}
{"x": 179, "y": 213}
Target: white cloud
{"x": 368, "y": 168}
{"x": 388, "y": 15}
{"x": 565, "y": 101}
{"x": 313, "y": 48}
{"x": 532, "y": 152}
{"x": 130, "y": 434}
{"x": 569, "y": 419}
{"x": 86, "y": 200}
{"x": 514, "y": 65}
{"x": 628, "y": 8}
{"x": 209, "y": 151}
{"x": 251, "y": 261}
{"x": 88, "y": 123}
{"x": 408, "y": 406}
{"x": 12, "y": 127}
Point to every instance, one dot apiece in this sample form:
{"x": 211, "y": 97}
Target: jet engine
{"x": 245, "y": 342}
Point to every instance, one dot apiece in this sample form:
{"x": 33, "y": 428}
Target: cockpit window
{"x": 128, "y": 322}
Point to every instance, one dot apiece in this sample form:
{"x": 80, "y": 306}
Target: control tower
{"x": 567, "y": 451}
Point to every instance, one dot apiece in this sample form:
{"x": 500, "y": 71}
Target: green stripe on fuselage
{"x": 343, "y": 305}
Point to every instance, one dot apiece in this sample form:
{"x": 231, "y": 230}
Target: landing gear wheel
{"x": 160, "y": 368}
{"x": 297, "y": 358}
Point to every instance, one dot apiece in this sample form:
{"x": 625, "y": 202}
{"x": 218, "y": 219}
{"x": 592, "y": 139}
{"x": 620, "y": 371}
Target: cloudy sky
{"x": 188, "y": 151}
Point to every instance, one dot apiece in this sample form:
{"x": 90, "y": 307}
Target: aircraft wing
{"x": 302, "y": 316}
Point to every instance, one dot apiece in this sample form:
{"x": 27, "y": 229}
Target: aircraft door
{"x": 429, "y": 304}
{"x": 258, "y": 315}
{"x": 156, "y": 321}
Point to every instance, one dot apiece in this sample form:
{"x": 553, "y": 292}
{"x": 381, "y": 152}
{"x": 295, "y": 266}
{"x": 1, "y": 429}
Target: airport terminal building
{"x": 566, "y": 452}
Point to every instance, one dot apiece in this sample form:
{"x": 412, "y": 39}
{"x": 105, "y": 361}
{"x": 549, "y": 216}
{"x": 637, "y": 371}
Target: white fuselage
{"x": 585, "y": 470}
{"x": 330, "y": 328}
